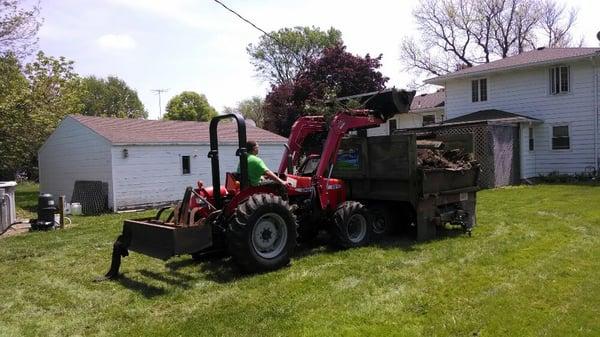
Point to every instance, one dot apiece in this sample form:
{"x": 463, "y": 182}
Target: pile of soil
{"x": 449, "y": 159}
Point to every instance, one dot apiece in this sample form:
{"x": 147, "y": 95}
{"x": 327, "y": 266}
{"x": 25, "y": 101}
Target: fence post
{"x": 61, "y": 210}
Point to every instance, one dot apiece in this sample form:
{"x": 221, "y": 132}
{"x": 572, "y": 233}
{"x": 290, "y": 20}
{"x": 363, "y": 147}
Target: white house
{"x": 553, "y": 92}
{"x": 425, "y": 109}
{"x": 141, "y": 162}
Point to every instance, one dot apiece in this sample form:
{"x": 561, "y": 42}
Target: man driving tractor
{"x": 257, "y": 167}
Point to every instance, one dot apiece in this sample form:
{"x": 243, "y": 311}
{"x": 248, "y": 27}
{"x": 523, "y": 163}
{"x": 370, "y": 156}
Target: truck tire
{"x": 262, "y": 234}
{"x": 383, "y": 222}
{"x": 352, "y": 225}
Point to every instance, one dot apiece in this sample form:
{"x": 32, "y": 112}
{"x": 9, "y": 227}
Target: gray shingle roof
{"x": 526, "y": 59}
{"x": 428, "y": 101}
{"x": 144, "y": 131}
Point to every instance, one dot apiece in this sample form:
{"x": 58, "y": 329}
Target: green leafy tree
{"x": 33, "y": 102}
{"x": 189, "y": 106}
{"x": 251, "y": 108}
{"x": 18, "y": 27}
{"x": 14, "y": 125}
{"x": 110, "y": 97}
{"x": 277, "y": 58}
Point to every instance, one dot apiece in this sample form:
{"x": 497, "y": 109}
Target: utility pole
{"x": 158, "y": 92}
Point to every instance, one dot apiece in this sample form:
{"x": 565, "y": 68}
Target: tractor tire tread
{"x": 341, "y": 216}
{"x": 239, "y": 232}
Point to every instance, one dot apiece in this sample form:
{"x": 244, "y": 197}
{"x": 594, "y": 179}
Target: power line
{"x": 158, "y": 92}
{"x": 296, "y": 56}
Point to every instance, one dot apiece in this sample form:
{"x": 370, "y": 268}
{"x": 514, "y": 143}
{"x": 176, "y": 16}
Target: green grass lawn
{"x": 532, "y": 268}
{"x": 26, "y": 199}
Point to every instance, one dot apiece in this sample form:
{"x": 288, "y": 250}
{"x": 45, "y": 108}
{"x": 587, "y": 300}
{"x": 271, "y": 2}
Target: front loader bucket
{"x": 158, "y": 240}
{"x": 164, "y": 241}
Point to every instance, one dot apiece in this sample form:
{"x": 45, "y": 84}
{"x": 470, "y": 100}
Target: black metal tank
{"x": 45, "y": 211}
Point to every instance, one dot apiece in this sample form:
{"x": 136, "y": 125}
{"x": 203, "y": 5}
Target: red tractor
{"x": 260, "y": 225}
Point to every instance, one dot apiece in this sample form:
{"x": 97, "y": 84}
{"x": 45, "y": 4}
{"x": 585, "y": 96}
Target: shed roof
{"x": 144, "y": 131}
{"x": 534, "y": 57}
{"x": 491, "y": 115}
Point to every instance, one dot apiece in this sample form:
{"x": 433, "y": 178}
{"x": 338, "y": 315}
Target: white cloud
{"x": 116, "y": 42}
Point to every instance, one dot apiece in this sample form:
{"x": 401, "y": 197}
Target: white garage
{"x": 141, "y": 162}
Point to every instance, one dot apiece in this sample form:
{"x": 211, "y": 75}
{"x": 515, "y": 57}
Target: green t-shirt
{"x": 256, "y": 169}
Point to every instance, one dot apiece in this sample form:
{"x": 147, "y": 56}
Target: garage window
{"x": 185, "y": 165}
{"x": 428, "y": 120}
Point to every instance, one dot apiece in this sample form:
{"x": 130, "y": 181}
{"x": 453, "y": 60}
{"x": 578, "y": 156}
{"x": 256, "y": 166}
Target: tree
{"x": 336, "y": 73}
{"x": 279, "y": 56}
{"x": 463, "y": 33}
{"x": 189, "y": 106}
{"x": 14, "y": 125}
{"x": 110, "y": 97}
{"x": 18, "y": 27}
{"x": 251, "y": 108}
{"x": 33, "y": 102}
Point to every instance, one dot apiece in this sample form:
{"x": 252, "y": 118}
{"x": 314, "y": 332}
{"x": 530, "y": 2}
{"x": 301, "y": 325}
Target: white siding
{"x": 526, "y": 92}
{"x": 152, "y": 174}
{"x": 405, "y": 121}
{"x": 527, "y": 156}
{"x": 73, "y": 152}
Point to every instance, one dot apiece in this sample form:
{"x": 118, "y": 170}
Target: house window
{"x": 428, "y": 119}
{"x": 393, "y": 125}
{"x": 560, "y": 137}
{"x": 531, "y": 141}
{"x": 479, "y": 90}
{"x": 559, "y": 80}
{"x": 185, "y": 165}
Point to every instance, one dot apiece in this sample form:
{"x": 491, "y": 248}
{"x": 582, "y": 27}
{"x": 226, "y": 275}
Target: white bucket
{"x": 76, "y": 208}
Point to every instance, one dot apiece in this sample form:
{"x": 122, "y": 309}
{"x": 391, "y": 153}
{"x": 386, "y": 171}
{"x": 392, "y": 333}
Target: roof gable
{"x": 531, "y": 58}
{"x": 143, "y": 131}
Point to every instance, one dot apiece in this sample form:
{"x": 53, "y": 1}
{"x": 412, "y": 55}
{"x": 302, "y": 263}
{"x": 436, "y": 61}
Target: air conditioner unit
{"x": 8, "y": 212}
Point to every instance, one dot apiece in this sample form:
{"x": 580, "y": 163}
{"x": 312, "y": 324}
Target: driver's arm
{"x": 274, "y": 177}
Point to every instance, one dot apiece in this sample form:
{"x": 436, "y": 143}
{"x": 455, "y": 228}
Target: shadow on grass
{"x": 148, "y": 291}
{"x": 220, "y": 268}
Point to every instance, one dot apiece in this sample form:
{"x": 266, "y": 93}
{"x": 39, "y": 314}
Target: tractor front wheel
{"x": 262, "y": 234}
{"x": 352, "y": 225}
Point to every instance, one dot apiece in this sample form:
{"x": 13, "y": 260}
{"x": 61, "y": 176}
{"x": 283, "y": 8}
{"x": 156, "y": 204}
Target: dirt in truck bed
{"x": 449, "y": 159}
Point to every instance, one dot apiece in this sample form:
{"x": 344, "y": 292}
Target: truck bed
{"x": 385, "y": 168}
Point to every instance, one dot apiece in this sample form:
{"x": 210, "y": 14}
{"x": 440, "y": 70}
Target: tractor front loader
{"x": 259, "y": 225}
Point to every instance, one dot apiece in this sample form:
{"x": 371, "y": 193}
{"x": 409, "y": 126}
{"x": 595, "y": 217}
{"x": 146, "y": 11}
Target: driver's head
{"x": 252, "y": 147}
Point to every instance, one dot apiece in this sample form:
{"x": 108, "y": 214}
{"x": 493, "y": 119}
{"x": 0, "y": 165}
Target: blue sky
{"x": 197, "y": 45}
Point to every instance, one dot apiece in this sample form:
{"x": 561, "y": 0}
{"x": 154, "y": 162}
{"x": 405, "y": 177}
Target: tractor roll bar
{"x": 241, "y": 152}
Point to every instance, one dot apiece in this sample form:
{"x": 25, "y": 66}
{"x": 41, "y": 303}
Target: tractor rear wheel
{"x": 352, "y": 225}
{"x": 262, "y": 234}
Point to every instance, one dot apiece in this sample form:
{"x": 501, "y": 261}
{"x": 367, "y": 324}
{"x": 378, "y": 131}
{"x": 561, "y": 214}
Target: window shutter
{"x": 475, "y": 91}
{"x": 564, "y": 79}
